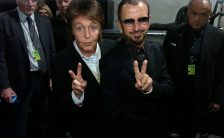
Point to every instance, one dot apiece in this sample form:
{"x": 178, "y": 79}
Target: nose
{"x": 63, "y": 3}
{"x": 136, "y": 26}
{"x": 197, "y": 17}
{"x": 86, "y": 33}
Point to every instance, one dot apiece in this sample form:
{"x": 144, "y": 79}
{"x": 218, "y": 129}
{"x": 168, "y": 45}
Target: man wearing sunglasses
{"x": 134, "y": 77}
{"x": 25, "y": 48}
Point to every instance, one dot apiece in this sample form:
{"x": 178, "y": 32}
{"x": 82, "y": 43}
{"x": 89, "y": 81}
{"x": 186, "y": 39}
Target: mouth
{"x": 137, "y": 33}
{"x": 88, "y": 44}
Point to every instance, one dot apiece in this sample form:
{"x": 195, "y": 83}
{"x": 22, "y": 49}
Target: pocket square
{"x": 173, "y": 44}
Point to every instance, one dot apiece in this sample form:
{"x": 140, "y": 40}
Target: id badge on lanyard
{"x": 36, "y": 55}
{"x": 191, "y": 67}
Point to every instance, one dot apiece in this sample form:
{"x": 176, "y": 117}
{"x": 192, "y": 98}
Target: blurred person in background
{"x": 194, "y": 53}
{"x": 44, "y": 10}
{"x": 26, "y": 46}
{"x": 62, "y": 33}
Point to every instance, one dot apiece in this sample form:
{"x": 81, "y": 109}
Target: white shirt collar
{"x": 23, "y": 16}
{"x": 96, "y": 55}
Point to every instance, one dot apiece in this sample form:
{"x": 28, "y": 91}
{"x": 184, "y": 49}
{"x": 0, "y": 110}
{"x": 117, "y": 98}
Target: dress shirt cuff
{"x": 148, "y": 92}
{"x": 77, "y": 101}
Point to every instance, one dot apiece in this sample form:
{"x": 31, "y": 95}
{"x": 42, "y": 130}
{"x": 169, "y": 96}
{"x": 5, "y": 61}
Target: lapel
{"x": 148, "y": 47}
{"x": 41, "y": 31}
{"x": 18, "y": 29}
{"x": 180, "y": 37}
{"x": 205, "y": 43}
{"x": 86, "y": 72}
{"x": 106, "y": 45}
{"x": 126, "y": 58}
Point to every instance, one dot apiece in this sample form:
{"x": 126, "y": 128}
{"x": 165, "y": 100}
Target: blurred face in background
{"x": 134, "y": 22}
{"x": 43, "y": 12}
{"x": 198, "y": 13}
{"x": 27, "y": 6}
{"x": 63, "y": 5}
{"x": 86, "y": 32}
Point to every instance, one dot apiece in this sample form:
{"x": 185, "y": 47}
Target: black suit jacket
{"x": 209, "y": 82}
{"x": 62, "y": 33}
{"x": 14, "y": 60}
{"x": 127, "y": 109}
{"x": 85, "y": 119}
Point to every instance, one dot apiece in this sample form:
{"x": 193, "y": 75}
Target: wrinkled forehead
{"x": 66, "y": 1}
{"x": 26, "y": 1}
{"x": 202, "y": 4}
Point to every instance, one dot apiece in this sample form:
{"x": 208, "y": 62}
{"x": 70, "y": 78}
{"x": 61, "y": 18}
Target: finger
{"x": 72, "y": 74}
{"x": 79, "y": 70}
{"x": 84, "y": 84}
{"x": 144, "y": 66}
{"x": 136, "y": 69}
{"x": 76, "y": 83}
{"x": 78, "y": 91}
{"x": 147, "y": 85}
{"x": 77, "y": 87}
{"x": 144, "y": 79}
{"x": 138, "y": 85}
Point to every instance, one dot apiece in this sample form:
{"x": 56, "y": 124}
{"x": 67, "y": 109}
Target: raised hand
{"x": 143, "y": 81}
{"x": 78, "y": 83}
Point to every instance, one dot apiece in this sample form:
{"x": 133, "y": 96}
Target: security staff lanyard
{"x": 194, "y": 54}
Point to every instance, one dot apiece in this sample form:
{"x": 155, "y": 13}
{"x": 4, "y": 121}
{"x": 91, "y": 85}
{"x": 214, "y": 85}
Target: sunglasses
{"x": 131, "y": 22}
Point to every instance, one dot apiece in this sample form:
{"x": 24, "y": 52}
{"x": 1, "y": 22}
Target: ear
{"x": 149, "y": 22}
{"x": 119, "y": 25}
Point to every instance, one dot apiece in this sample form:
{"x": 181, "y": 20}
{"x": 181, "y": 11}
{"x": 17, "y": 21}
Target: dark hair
{"x": 132, "y": 2}
{"x": 88, "y": 8}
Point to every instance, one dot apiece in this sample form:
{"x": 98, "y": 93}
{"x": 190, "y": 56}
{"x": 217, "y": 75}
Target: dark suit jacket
{"x": 62, "y": 33}
{"x": 127, "y": 109}
{"x": 209, "y": 82}
{"x": 85, "y": 119}
{"x": 14, "y": 60}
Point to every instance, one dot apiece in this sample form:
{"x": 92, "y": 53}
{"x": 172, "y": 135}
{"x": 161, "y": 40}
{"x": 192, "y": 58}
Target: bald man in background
{"x": 194, "y": 53}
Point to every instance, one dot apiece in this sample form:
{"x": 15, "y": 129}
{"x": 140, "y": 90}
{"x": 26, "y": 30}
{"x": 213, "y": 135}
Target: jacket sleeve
{"x": 4, "y": 81}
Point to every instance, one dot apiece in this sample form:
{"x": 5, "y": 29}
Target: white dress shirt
{"x": 93, "y": 63}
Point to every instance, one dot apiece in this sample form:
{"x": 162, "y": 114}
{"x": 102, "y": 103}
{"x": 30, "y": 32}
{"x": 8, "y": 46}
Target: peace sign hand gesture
{"x": 78, "y": 83}
{"x": 143, "y": 81}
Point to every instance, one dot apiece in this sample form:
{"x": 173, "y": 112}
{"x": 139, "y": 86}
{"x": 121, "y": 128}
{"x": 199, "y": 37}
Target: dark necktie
{"x": 39, "y": 54}
{"x": 140, "y": 56}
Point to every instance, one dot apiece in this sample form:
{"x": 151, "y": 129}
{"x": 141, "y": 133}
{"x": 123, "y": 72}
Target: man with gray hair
{"x": 194, "y": 52}
{"x": 26, "y": 44}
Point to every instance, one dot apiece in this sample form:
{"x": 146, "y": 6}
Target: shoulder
{"x": 42, "y": 19}
{"x": 107, "y": 45}
{"x": 152, "y": 44}
{"x": 9, "y": 15}
{"x": 215, "y": 30}
{"x": 56, "y": 20}
{"x": 114, "y": 52}
{"x": 63, "y": 55}
{"x": 177, "y": 28}
{"x": 153, "y": 47}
